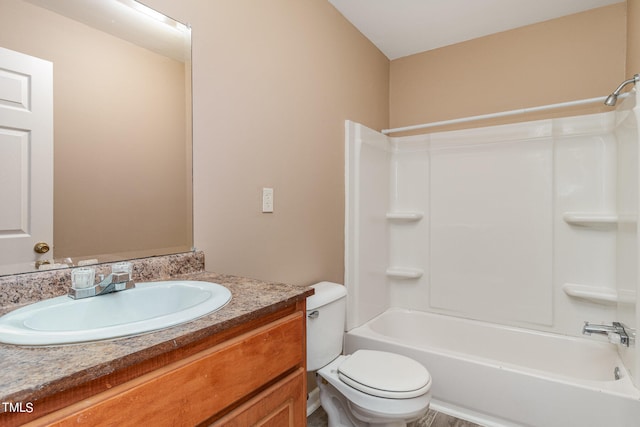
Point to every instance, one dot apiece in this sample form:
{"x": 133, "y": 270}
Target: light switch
{"x": 267, "y": 200}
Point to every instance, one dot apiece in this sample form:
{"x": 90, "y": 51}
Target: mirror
{"x": 122, "y": 125}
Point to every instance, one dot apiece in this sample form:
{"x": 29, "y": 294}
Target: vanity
{"x": 241, "y": 365}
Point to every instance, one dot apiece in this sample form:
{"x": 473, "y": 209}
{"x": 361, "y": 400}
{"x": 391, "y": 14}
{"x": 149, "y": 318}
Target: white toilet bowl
{"x": 374, "y": 393}
{"x": 366, "y": 388}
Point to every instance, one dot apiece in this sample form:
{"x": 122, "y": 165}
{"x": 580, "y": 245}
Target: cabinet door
{"x": 281, "y": 405}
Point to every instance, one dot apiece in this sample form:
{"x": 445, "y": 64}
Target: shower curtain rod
{"x": 501, "y": 114}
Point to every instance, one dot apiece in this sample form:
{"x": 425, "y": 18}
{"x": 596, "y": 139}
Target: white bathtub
{"x": 501, "y": 376}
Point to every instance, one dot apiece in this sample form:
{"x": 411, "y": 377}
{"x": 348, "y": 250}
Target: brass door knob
{"x": 41, "y": 248}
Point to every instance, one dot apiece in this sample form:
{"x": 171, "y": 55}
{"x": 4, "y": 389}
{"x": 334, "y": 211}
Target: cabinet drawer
{"x": 192, "y": 390}
{"x": 281, "y": 405}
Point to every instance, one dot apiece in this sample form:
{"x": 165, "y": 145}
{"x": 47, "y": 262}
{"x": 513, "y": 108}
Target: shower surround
{"x": 530, "y": 226}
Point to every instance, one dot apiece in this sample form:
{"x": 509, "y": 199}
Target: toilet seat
{"x": 384, "y": 374}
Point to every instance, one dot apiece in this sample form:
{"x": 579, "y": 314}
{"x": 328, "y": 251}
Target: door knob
{"x": 41, "y": 248}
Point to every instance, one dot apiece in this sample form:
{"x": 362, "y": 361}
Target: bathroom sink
{"x": 148, "y": 307}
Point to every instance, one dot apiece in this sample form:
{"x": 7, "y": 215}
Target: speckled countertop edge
{"x": 32, "y": 373}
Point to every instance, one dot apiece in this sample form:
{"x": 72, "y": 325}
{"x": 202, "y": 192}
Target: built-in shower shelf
{"x": 407, "y": 216}
{"x": 588, "y": 219}
{"x": 598, "y": 294}
{"x": 404, "y": 272}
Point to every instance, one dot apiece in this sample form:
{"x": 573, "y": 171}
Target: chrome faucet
{"x": 617, "y": 333}
{"x": 118, "y": 280}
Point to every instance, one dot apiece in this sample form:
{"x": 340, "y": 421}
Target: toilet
{"x": 366, "y": 388}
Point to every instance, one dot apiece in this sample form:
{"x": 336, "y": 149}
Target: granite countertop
{"x": 32, "y": 373}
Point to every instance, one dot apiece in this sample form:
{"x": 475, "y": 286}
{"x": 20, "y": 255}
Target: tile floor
{"x": 432, "y": 419}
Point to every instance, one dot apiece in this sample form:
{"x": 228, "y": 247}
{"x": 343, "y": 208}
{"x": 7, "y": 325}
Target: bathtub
{"x": 502, "y": 376}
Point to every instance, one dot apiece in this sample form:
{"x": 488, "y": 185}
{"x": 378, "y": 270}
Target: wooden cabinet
{"x": 281, "y": 405}
{"x": 255, "y": 378}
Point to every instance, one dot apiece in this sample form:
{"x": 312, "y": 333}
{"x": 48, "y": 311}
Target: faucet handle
{"x": 122, "y": 275}
{"x": 83, "y": 277}
{"x": 122, "y": 267}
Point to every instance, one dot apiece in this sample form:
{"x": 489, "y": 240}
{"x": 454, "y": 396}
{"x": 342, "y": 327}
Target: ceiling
{"x": 405, "y": 27}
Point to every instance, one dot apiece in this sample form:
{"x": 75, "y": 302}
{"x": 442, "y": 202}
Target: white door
{"x": 26, "y": 157}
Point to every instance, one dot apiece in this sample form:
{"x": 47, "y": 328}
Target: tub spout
{"x": 590, "y": 328}
{"x": 617, "y": 332}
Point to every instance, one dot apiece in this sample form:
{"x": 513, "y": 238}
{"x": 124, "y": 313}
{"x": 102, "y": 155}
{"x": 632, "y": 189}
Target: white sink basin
{"x": 149, "y": 306}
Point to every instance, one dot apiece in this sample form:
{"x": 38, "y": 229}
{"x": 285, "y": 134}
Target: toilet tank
{"x": 326, "y": 311}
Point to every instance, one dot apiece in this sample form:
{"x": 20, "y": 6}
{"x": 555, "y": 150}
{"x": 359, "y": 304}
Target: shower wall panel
{"x": 584, "y": 235}
{"x": 409, "y": 230}
{"x": 491, "y": 194}
{"x": 516, "y": 224}
{"x": 368, "y": 159}
{"x": 628, "y": 186}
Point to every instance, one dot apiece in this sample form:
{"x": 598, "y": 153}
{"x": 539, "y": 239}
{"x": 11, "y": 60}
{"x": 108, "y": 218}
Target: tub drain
{"x": 616, "y": 373}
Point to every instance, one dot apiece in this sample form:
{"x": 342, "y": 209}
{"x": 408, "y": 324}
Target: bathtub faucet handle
{"x": 626, "y": 334}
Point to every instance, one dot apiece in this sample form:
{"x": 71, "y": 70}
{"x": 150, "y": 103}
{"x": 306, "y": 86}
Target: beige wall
{"x": 120, "y": 170}
{"x": 273, "y": 82}
{"x": 575, "y": 57}
{"x": 633, "y": 37}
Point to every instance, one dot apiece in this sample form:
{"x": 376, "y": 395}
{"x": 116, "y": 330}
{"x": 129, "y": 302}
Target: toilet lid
{"x": 384, "y": 374}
